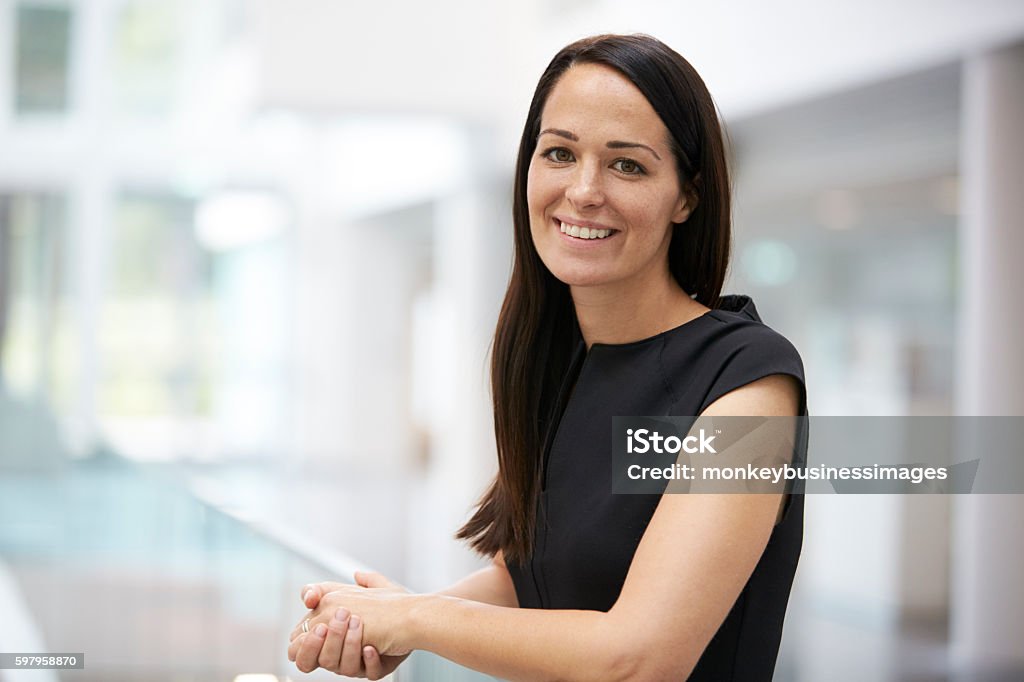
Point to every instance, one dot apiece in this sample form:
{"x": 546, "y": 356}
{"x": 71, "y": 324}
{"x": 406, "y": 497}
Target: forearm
{"x": 523, "y": 644}
{"x": 490, "y": 585}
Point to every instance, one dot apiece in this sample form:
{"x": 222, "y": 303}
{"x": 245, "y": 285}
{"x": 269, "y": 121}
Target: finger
{"x": 309, "y": 650}
{"x": 314, "y": 592}
{"x": 352, "y": 656}
{"x": 372, "y": 579}
{"x": 298, "y": 629}
{"x": 311, "y": 596}
{"x": 374, "y": 666}
{"x": 330, "y": 654}
{"x": 293, "y": 648}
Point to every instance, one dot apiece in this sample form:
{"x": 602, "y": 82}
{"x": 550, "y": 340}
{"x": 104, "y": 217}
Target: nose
{"x": 585, "y": 189}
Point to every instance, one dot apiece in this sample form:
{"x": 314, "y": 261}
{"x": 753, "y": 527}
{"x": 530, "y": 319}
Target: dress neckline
{"x": 649, "y": 339}
{"x": 733, "y": 303}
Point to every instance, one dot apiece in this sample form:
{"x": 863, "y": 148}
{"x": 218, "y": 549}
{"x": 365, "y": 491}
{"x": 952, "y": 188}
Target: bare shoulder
{"x": 775, "y": 395}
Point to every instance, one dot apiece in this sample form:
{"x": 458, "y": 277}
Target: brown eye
{"x": 628, "y": 166}
{"x": 560, "y": 155}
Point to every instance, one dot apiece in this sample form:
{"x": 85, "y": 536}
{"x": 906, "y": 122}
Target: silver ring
{"x": 305, "y": 625}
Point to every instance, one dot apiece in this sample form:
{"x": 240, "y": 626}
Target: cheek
{"x": 645, "y": 214}
{"x": 654, "y": 211}
{"x": 536, "y": 202}
{"x": 533, "y": 200}
{"x": 541, "y": 190}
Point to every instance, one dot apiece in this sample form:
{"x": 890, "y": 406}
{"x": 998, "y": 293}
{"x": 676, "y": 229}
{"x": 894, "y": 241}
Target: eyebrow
{"x": 619, "y": 144}
{"x": 613, "y": 144}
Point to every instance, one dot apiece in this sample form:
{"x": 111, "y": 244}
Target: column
{"x": 987, "y": 614}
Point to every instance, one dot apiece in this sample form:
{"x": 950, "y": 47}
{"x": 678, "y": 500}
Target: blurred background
{"x": 252, "y": 253}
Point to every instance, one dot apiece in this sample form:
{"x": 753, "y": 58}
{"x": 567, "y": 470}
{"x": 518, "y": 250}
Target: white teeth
{"x": 584, "y": 232}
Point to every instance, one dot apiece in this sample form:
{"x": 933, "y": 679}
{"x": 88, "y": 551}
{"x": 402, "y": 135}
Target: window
{"x": 145, "y": 56}
{"x": 191, "y": 330}
{"x": 37, "y": 359}
{"x": 43, "y": 38}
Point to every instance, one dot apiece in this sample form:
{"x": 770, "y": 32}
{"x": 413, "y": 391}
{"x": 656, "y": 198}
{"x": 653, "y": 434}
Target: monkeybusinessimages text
{"x": 642, "y": 441}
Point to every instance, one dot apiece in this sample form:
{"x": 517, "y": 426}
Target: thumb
{"x": 372, "y": 579}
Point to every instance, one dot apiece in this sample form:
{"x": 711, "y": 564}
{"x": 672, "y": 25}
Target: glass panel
{"x": 37, "y": 354}
{"x": 41, "y": 59}
{"x": 193, "y": 330}
{"x": 871, "y": 304}
{"x": 145, "y": 56}
{"x": 156, "y": 327}
{"x": 122, "y": 564}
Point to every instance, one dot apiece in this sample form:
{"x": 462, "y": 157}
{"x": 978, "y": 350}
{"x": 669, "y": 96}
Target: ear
{"x": 683, "y": 210}
{"x": 687, "y": 202}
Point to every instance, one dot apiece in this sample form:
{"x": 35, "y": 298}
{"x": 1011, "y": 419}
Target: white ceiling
{"x": 480, "y": 60}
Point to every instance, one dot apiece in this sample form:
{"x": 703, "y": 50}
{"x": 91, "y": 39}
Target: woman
{"x": 622, "y": 227}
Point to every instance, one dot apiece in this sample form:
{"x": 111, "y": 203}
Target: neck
{"x": 631, "y": 311}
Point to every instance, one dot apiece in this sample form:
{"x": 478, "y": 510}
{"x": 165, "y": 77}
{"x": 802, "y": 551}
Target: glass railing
{"x": 122, "y": 563}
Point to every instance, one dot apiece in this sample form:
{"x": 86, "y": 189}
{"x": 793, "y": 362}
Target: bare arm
{"x": 696, "y": 555}
{"x": 490, "y": 585}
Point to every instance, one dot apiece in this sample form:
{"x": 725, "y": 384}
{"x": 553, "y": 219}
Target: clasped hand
{"x": 351, "y": 629}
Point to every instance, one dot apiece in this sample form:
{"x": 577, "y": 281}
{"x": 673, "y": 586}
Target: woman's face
{"x": 602, "y": 187}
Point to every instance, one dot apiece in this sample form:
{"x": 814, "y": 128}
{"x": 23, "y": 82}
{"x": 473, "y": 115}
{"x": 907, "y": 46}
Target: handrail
{"x": 338, "y": 565}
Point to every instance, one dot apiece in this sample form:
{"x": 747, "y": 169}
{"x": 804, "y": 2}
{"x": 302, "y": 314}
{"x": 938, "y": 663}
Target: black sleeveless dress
{"x": 586, "y": 537}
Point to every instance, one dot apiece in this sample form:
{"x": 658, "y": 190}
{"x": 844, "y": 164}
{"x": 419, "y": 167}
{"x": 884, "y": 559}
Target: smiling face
{"x": 602, "y": 187}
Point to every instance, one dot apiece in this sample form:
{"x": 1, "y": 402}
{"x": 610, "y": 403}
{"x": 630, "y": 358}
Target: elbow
{"x": 646, "y": 665}
{"x": 624, "y": 664}
{"x": 640, "y": 658}
{"x": 629, "y": 647}
{"x": 635, "y": 650}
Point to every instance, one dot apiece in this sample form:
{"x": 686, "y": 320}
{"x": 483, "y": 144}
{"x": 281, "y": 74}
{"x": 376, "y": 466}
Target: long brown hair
{"x": 537, "y": 328}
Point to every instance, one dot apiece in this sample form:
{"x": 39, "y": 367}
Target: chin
{"x": 580, "y": 277}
